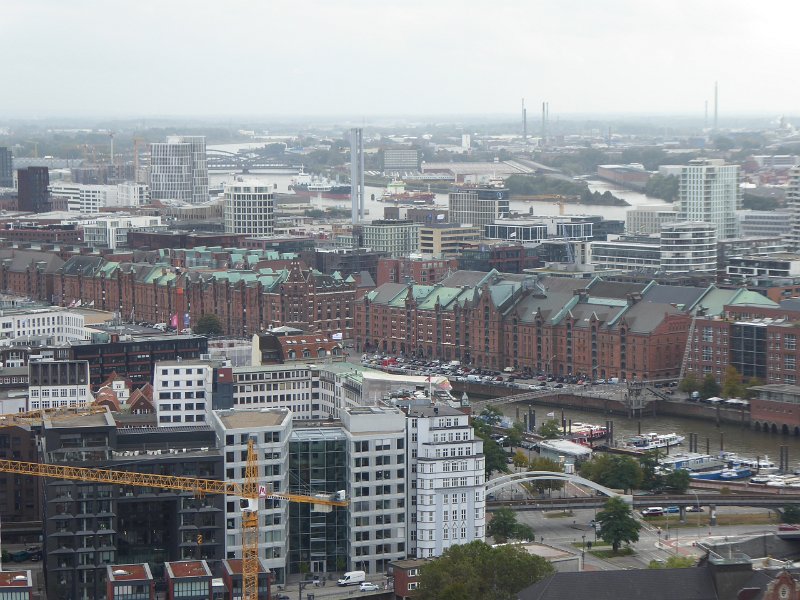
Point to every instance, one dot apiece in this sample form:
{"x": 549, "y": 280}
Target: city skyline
{"x": 366, "y": 59}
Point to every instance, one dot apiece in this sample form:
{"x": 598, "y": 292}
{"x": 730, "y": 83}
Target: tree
{"x": 614, "y": 471}
{"x": 540, "y": 463}
{"x": 515, "y": 434}
{"x": 477, "y": 570}
{"x": 791, "y": 513}
{"x": 617, "y": 524}
{"x": 710, "y": 387}
{"x": 690, "y": 384}
{"x": 651, "y": 480}
{"x": 676, "y": 561}
{"x": 677, "y": 480}
{"x": 732, "y": 386}
{"x": 550, "y": 429}
{"x": 208, "y": 325}
{"x": 494, "y": 454}
{"x": 504, "y": 526}
{"x": 520, "y": 459}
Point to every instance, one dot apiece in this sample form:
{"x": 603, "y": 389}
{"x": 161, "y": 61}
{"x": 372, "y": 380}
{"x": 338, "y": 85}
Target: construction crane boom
{"x": 248, "y": 491}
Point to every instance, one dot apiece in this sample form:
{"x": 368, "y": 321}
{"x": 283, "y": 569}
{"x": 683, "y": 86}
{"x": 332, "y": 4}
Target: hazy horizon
{"x": 360, "y": 59}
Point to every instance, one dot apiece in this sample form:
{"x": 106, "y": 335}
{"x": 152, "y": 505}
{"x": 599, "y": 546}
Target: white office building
{"x": 58, "y": 384}
{"x": 270, "y": 430}
{"x": 182, "y": 392}
{"x": 478, "y": 206}
{"x": 646, "y": 220}
{"x": 397, "y": 238}
{"x": 249, "y": 207}
{"x": 540, "y": 228}
{"x": 294, "y": 387}
{"x": 709, "y": 191}
{"x": 179, "y": 169}
{"x": 43, "y": 326}
{"x": 112, "y": 231}
{"x": 447, "y": 481}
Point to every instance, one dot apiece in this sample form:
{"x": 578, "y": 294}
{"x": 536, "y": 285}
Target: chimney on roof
{"x": 633, "y": 298}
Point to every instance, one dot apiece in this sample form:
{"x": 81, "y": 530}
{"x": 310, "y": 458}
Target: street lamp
{"x": 583, "y": 548}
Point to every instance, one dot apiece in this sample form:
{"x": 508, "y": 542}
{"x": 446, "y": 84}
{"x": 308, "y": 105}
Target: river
{"x": 736, "y": 438}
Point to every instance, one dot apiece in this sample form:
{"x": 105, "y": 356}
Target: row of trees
{"x": 733, "y": 385}
{"x": 620, "y": 472}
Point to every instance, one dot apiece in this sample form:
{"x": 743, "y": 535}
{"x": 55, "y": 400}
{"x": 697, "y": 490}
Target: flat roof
{"x": 137, "y": 572}
{"x": 79, "y": 420}
{"x": 242, "y": 419}
{"x": 15, "y": 579}
{"x": 188, "y": 568}
{"x": 233, "y": 566}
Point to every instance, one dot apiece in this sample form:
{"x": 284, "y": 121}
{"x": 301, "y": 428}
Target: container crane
{"x": 248, "y": 492}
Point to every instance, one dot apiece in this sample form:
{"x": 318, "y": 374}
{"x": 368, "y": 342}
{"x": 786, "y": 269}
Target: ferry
{"x": 726, "y": 474}
{"x": 652, "y": 441}
{"x": 589, "y": 431}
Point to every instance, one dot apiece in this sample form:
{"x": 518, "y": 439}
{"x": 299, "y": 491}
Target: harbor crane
{"x": 247, "y": 492}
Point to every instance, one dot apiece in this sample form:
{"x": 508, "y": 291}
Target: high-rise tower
{"x": 357, "y": 174}
{"x": 709, "y": 191}
{"x": 179, "y": 169}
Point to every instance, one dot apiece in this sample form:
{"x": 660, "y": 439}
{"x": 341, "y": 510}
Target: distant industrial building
{"x": 633, "y": 175}
{"x": 400, "y": 159}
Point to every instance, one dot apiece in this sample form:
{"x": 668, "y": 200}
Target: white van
{"x": 352, "y": 578}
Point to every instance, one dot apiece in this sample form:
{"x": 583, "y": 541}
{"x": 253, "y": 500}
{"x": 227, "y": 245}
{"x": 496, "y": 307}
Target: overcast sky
{"x": 396, "y": 57}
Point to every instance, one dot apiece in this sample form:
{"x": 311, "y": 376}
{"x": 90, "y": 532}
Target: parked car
{"x": 671, "y": 510}
{"x": 652, "y": 511}
{"x": 694, "y": 509}
{"x": 368, "y": 586}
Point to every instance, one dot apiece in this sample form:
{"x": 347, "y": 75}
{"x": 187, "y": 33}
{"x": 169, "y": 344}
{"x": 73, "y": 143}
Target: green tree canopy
{"x": 503, "y": 526}
{"x": 515, "y": 434}
{"x": 732, "y": 384}
{"x": 690, "y": 383}
{"x": 550, "y": 429}
{"x": 677, "y": 480}
{"x": 477, "y": 570}
{"x": 651, "y": 480}
{"x": 710, "y": 387}
{"x": 791, "y": 513}
{"x": 614, "y": 471}
{"x": 208, "y": 324}
{"x": 520, "y": 459}
{"x": 617, "y": 524}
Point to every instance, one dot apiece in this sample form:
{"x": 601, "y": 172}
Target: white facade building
{"x": 132, "y": 194}
{"x": 447, "y": 481}
{"x": 793, "y": 204}
{"x": 293, "y": 387}
{"x": 84, "y": 199}
{"x": 46, "y": 326}
{"x": 182, "y": 392}
{"x": 645, "y": 220}
{"x": 478, "y": 206}
{"x": 249, "y": 207}
{"x": 58, "y": 383}
{"x": 709, "y": 191}
{"x": 112, "y": 231}
{"x": 397, "y": 238}
{"x": 540, "y": 228}
{"x": 179, "y": 169}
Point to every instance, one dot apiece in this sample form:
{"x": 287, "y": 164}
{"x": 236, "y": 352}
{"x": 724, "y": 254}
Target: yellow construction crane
{"x": 247, "y": 492}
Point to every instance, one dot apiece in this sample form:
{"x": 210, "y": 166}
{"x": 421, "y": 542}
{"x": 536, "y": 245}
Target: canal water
{"x": 735, "y": 438}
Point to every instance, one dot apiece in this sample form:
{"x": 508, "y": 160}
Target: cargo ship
{"x": 396, "y": 192}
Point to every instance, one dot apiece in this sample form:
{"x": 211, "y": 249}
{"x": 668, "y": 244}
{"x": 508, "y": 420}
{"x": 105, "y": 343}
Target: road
{"x": 562, "y": 532}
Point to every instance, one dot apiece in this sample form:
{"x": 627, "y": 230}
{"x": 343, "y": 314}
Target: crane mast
{"x": 248, "y": 492}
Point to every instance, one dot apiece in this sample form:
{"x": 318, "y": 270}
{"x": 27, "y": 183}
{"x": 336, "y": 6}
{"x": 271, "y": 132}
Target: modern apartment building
{"x": 249, "y": 207}
{"x": 709, "y": 191}
{"x": 179, "y": 169}
{"x": 82, "y": 198}
{"x": 132, "y": 194}
{"x": 688, "y": 248}
{"x": 793, "y": 204}
{"x": 447, "y": 481}
{"x": 478, "y": 206}
{"x": 646, "y": 220}
{"x": 540, "y": 228}
{"x": 764, "y": 223}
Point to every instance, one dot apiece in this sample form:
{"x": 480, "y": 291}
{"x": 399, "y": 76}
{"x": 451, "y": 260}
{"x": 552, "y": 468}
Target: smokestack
{"x": 716, "y": 105}
{"x": 524, "y": 122}
{"x": 544, "y": 122}
{"x": 705, "y": 121}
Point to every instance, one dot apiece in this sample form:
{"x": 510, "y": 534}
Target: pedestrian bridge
{"x": 527, "y": 476}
